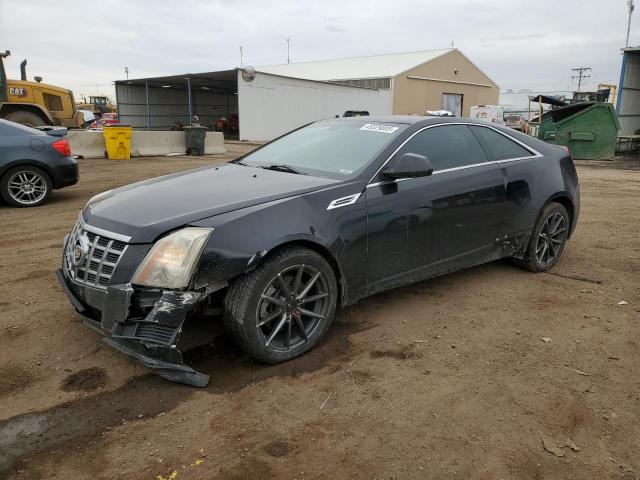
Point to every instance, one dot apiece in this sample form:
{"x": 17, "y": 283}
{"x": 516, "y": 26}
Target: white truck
{"x": 489, "y": 113}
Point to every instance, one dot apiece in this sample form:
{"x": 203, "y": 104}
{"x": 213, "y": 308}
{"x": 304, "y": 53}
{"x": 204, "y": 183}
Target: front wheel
{"x": 284, "y": 307}
{"x": 547, "y": 240}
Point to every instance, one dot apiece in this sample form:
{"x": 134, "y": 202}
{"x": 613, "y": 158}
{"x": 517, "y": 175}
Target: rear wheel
{"x": 284, "y": 307}
{"x": 547, "y": 240}
{"x": 25, "y": 186}
{"x": 29, "y": 119}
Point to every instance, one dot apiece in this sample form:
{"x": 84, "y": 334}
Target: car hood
{"x": 147, "y": 209}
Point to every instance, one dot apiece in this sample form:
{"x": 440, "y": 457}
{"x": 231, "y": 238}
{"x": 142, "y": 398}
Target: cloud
{"x": 85, "y": 46}
{"x": 334, "y": 28}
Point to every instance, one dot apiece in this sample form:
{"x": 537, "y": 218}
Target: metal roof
{"x": 221, "y": 81}
{"x": 224, "y": 80}
{"x": 376, "y": 66}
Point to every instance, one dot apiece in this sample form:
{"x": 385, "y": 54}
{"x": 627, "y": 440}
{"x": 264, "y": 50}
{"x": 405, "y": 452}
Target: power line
{"x": 581, "y": 73}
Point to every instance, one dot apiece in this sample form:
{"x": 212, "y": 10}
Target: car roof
{"x": 13, "y": 128}
{"x": 413, "y": 119}
{"x": 407, "y": 119}
{"x": 419, "y": 121}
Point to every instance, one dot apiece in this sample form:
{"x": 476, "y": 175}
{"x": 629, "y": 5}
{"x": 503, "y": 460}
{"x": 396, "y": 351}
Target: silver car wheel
{"x": 27, "y": 187}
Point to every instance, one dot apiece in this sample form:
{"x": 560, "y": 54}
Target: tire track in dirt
{"x": 147, "y": 396}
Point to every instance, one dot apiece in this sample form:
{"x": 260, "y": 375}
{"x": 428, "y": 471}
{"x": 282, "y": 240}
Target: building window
{"x": 377, "y": 83}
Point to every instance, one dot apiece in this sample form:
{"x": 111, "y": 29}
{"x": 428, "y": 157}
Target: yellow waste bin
{"x": 117, "y": 141}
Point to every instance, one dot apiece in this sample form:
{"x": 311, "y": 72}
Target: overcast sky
{"x": 519, "y": 44}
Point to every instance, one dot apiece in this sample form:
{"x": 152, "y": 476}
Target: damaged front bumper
{"x": 149, "y": 337}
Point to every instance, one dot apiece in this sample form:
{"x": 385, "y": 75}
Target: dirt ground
{"x": 489, "y": 373}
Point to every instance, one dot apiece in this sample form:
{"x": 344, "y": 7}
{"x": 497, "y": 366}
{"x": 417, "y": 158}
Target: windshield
{"x": 330, "y": 148}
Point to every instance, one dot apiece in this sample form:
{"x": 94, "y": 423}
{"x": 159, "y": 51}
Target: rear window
{"x": 497, "y": 146}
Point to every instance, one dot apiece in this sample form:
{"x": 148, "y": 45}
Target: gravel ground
{"x": 488, "y": 373}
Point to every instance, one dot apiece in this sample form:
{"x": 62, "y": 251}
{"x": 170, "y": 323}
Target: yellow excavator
{"x": 35, "y": 104}
{"x": 97, "y": 105}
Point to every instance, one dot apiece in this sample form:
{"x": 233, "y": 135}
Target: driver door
{"x": 420, "y": 227}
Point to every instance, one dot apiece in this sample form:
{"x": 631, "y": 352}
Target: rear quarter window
{"x": 497, "y": 146}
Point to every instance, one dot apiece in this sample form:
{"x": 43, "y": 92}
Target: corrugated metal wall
{"x": 168, "y": 105}
{"x": 629, "y": 95}
{"x": 271, "y": 105}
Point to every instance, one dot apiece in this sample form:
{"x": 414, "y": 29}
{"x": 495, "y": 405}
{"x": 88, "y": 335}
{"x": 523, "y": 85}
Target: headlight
{"x": 171, "y": 261}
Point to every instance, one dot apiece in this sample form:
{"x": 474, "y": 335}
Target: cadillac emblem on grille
{"x": 80, "y": 250}
{"x": 91, "y": 257}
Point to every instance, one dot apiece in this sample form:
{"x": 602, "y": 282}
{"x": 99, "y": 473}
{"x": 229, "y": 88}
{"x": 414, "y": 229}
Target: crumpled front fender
{"x": 151, "y": 339}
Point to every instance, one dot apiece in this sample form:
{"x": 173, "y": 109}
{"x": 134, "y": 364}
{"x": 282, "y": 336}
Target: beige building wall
{"x": 412, "y": 96}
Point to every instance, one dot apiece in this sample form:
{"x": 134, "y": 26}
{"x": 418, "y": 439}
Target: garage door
{"x": 453, "y": 103}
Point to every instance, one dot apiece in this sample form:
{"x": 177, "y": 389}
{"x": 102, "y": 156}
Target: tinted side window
{"x": 447, "y": 146}
{"x": 498, "y": 147}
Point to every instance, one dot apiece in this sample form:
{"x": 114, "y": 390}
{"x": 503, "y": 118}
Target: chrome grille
{"x": 101, "y": 254}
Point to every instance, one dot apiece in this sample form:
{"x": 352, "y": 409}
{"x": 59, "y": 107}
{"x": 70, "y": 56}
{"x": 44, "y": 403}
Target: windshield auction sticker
{"x": 377, "y": 127}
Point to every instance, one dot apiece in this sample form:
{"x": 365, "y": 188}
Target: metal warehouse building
{"x": 278, "y": 98}
{"x": 267, "y": 105}
{"x": 415, "y": 81}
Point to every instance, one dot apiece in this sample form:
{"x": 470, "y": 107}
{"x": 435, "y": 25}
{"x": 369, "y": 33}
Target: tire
{"x": 535, "y": 259}
{"x": 29, "y": 119}
{"x": 25, "y": 186}
{"x": 300, "y": 319}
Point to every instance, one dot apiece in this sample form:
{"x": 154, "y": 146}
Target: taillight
{"x": 62, "y": 147}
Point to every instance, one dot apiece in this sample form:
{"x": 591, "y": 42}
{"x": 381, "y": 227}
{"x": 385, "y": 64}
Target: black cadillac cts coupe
{"x": 319, "y": 218}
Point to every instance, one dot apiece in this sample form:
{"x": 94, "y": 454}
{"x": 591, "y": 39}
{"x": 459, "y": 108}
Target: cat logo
{"x": 18, "y": 92}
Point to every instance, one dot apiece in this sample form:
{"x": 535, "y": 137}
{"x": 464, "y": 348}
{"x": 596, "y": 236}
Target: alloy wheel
{"x": 292, "y": 307}
{"x": 551, "y": 238}
{"x": 27, "y": 187}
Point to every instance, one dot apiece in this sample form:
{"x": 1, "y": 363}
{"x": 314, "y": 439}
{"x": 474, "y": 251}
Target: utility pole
{"x": 288, "y": 57}
{"x": 631, "y": 8}
{"x": 581, "y": 73}
{"x": 241, "y": 62}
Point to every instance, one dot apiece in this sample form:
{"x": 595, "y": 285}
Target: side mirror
{"x": 409, "y": 165}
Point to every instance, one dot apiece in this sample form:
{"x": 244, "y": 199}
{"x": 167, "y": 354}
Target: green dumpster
{"x": 194, "y": 137}
{"x": 589, "y": 130}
